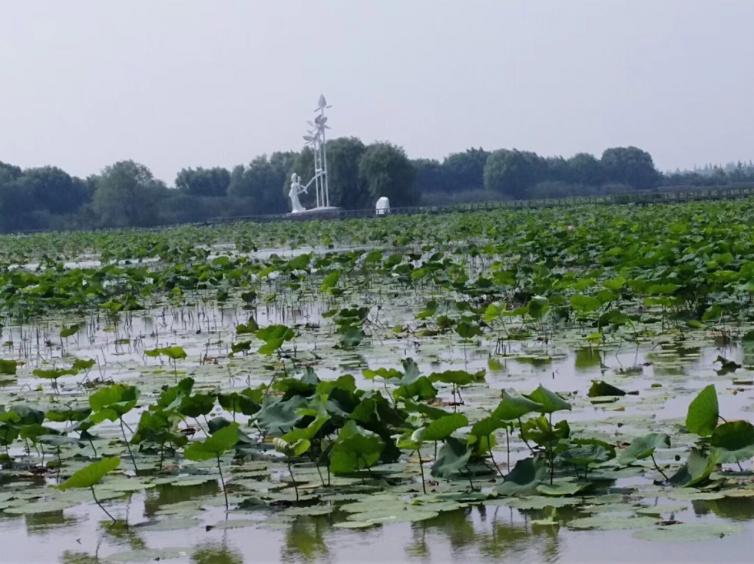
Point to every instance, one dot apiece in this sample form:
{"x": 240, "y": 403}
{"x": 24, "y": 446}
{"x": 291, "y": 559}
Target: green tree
{"x": 586, "y": 169}
{"x": 513, "y": 173}
{"x": 465, "y": 171}
{"x": 203, "y": 181}
{"x": 13, "y": 200}
{"x": 431, "y": 176}
{"x": 263, "y": 181}
{"x": 8, "y": 173}
{"x": 346, "y": 188}
{"x": 386, "y": 171}
{"x": 127, "y": 194}
{"x": 15, "y": 206}
{"x": 54, "y": 190}
{"x": 630, "y": 165}
{"x": 556, "y": 169}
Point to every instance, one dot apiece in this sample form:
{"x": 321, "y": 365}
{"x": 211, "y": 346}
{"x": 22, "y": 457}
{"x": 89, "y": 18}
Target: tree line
{"x": 126, "y": 194}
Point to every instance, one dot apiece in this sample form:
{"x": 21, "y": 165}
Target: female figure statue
{"x": 296, "y": 189}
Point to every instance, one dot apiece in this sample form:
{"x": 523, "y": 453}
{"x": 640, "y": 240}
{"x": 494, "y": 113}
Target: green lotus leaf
{"x": 91, "y": 474}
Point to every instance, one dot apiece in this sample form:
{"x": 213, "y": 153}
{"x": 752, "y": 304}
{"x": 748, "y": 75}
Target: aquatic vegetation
{"x": 566, "y": 364}
{"x": 90, "y": 475}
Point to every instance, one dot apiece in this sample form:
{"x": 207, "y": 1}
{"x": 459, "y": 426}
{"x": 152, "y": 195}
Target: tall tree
{"x": 386, "y": 171}
{"x": 263, "y": 180}
{"x": 52, "y": 189}
{"x": 15, "y": 206}
{"x": 13, "y": 199}
{"x": 8, "y": 173}
{"x": 431, "y": 176}
{"x": 630, "y": 165}
{"x": 126, "y": 194}
{"x": 203, "y": 181}
{"x": 556, "y": 169}
{"x": 512, "y": 173}
{"x": 586, "y": 169}
{"x": 465, "y": 171}
{"x": 345, "y": 186}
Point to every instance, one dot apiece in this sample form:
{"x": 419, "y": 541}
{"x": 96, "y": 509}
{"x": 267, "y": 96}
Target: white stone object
{"x": 383, "y": 206}
{"x": 296, "y": 189}
{"x": 316, "y": 139}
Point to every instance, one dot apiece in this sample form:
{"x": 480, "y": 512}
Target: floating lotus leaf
{"x": 607, "y": 522}
{"x": 689, "y": 532}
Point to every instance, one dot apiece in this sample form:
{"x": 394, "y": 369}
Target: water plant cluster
{"x": 387, "y": 371}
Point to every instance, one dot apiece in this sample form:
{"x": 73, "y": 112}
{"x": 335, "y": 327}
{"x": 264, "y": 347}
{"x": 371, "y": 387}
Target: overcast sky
{"x": 201, "y": 83}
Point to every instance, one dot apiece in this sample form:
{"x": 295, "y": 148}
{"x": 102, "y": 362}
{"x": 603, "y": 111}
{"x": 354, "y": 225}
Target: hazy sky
{"x": 199, "y": 83}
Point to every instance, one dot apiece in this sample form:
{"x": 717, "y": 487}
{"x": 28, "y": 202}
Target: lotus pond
{"x": 530, "y": 385}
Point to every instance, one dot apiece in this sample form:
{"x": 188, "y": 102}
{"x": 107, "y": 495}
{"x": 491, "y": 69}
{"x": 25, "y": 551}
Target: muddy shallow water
{"x": 662, "y": 376}
{"x": 484, "y": 533}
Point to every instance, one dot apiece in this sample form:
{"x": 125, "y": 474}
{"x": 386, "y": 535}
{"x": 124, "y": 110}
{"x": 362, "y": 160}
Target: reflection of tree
{"x": 456, "y": 525}
{"x": 739, "y": 508}
{"x": 502, "y": 538}
{"x": 212, "y": 553}
{"x": 748, "y": 354}
{"x": 486, "y": 530}
{"x": 69, "y": 557}
{"x": 551, "y": 547}
{"x": 514, "y": 536}
{"x": 587, "y": 357}
{"x": 42, "y": 523}
{"x": 419, "y": 548}
{"x": 122, "y": 533}
{"x": 304, "y": 539}
{"x": 166, "y": 494}
{"x": 510, "y": 537}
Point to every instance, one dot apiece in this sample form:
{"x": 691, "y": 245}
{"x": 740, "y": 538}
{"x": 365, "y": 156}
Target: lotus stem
{"x": 293, "y": 479}
{"x": 128, "y": 445}
{"x": 523, "y": 438}
{"x": 94, "y": 450}
{"x": 421, "y": 471}
{"x": 492, "y": 457}
{"x": 468, "y": 474}
{"x": 319, "y": 470}
{"x": 507, "y": 450}
{"x": 657, "y": 467}
{"x": 206, "y": 432}
{"x": 222, "y": 482}
{"x": 102, "y": 507}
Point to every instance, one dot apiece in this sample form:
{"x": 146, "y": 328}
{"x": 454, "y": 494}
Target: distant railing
{"x": 670, "y": 194}
{"x": 664, "y": 194}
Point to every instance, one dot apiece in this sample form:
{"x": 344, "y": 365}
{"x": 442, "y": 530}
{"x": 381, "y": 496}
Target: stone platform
{"x": 329, "y": 212}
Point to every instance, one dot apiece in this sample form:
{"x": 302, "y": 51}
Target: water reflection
{"x": 122, "y": 534}
{"x": 747, "y": 354}
{"x": 305, "y": 539}
{"x": 587, "y": 357}
{"x": 737, "y": 508}
{"x": 72, "y": 557}
{"x": 483, "y": 532}
{"x": 43, "y": 523}
{"x": 167, "y": 494}
{"x": 494, "y": 532}
{"x": 214, "y": 553}
{"x": 456, "y": 525}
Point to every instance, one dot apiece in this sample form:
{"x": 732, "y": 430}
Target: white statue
{"x": 296, "y": 189}
{"x": 317, "y": 142}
